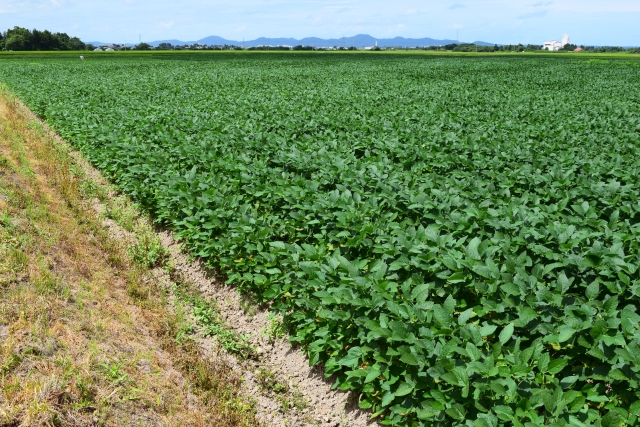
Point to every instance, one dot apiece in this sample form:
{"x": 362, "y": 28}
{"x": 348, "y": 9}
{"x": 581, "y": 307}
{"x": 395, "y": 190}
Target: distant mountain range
{"x": 359, "y": 41}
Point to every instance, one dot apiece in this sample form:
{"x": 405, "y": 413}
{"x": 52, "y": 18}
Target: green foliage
{"x": 143, "y": 46}
{"x": 276, "y": 329}
{"x": 22, "y": 39}
{"x": 209, "y": 320}
{"x": 267, "y": 380}
{"x": 113, "y": 371}
{"x": 288, "y": 397}
{"x": 458, "y": 240}
{"x": 148, "y": 252}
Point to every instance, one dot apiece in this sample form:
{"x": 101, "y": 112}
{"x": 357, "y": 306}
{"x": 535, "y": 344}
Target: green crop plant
{"x": 455, "y": 239}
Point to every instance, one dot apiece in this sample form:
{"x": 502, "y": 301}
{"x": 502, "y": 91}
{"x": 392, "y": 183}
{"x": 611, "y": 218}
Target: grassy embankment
{"x": 86, "y": 337}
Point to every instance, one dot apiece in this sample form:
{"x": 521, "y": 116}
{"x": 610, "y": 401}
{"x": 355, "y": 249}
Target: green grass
{"x": 289, "y": 397}
{"x": 210, "y": 322}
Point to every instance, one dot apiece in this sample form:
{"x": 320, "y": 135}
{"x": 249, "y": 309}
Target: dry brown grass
{"x": 86, "y": 337}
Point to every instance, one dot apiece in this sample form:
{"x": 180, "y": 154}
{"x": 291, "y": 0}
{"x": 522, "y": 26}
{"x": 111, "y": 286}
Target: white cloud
{"x": 610, "y": 6}
{"x": 531, "y": 15}
{"x": 340, "y": 9}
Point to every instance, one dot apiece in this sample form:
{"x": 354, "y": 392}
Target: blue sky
{"x": 589, "y": 22}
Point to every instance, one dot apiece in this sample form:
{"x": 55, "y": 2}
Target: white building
{"x": 555, "y": 45}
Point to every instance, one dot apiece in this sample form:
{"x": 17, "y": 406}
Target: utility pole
{"x": 243, "y": 43}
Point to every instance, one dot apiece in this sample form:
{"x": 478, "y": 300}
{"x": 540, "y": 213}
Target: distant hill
{"x": 359, "y": 41}
{"x": 479, "y": 43}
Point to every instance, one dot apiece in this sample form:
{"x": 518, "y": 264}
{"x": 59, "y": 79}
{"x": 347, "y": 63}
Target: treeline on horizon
{"x": 455, "y": 47}
{"x": 23, "y": 39}
{"x": 20, "y": 39}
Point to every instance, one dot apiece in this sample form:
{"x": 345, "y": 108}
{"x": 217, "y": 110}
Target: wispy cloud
{"x": 341, "y": 9}
{"x": 542, "y": 4}
{"x": 531, "y": 15}
{"x": 167, "y": 24}
{"x": 456, "y": 6}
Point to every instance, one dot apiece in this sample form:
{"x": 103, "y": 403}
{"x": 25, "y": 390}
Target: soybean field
{"x": 456, "y": 239}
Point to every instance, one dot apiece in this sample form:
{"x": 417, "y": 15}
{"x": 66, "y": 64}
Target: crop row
{"x": 456, "y": 239}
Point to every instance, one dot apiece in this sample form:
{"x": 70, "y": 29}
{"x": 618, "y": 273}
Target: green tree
{"x": 22, "y": 39}
{"x": 18, "y": 39}
{"x": 17, "y": 42}
{"x": 143, "y": 46}
{"x": 76, "y": 44}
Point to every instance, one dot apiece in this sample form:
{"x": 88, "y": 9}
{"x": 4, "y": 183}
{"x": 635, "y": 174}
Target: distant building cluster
{"x": 555, "y": 45}
{"x": 108, "y": 48}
